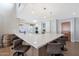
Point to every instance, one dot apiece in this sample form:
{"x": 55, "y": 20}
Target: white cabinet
{"x": 46, "y": 26}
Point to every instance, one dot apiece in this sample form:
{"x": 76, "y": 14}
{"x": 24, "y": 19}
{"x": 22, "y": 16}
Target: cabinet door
{"x": 46, "y": 26}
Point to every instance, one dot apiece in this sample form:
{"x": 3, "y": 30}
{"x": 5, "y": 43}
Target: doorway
{"x": 66, "y": 30}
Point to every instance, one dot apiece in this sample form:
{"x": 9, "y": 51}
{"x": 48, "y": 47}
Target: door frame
{"x": 69, "y": 29}
{"x": 58, "y": 26}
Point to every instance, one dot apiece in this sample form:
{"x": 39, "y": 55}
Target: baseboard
{"x": 75, "y": 41}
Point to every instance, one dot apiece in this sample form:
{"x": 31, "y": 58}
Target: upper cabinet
{"x": 39, "y": 14}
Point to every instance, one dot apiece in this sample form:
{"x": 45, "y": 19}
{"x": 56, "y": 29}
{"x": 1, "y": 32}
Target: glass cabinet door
{"x": 45, "y": 27}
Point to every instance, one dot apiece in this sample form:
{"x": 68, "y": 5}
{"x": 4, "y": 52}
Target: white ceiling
{"x": 36, "y": 11}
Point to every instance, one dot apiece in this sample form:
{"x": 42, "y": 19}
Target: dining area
{"x": 45, "y": 44}
{"x": 38, "y": 44}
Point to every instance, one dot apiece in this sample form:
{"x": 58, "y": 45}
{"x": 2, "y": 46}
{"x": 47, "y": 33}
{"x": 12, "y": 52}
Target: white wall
{"x": 76, "y": 29}
{"x": 48, "y": 27}
{"x": 1, "y": 18}
{"x": 72, "y": 21}
{"x": 53, "y": 26}
{"x": 10, "y": 21}
{"x": 7, "y": 18}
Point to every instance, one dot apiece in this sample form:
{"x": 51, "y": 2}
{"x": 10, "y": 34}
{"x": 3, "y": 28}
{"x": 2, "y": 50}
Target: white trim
{"x": 71, "y": 20}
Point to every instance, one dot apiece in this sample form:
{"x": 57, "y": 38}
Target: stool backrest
{"x": 17, "y": 43}
{"x": 54, "y": 48}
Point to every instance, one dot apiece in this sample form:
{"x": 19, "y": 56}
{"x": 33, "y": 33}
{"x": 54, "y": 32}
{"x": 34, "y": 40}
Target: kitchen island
{"x": 38, "y": 42}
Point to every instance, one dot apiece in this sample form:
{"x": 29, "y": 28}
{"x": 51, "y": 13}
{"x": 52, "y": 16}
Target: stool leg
{"x": 22, "y": 54}
{"x": 15, "y": 54}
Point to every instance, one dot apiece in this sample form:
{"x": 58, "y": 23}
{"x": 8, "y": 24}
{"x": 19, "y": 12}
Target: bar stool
{"x": 54, "y": 49}
{"x": 62, "y": 40}
{"x": 1, "y": 42}
{"x": 19, "y": 48}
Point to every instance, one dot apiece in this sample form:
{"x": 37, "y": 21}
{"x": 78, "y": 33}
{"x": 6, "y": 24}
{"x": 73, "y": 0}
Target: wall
{"x": 7, "y": 18}
{"x": 53, "y": 26}
{"x": 76, "y": 29}
{"x": 71, "y": 20}
{"x": 1, "y": 18}
{"x": 48, "y": 29}
{"x": 10, "y": 22}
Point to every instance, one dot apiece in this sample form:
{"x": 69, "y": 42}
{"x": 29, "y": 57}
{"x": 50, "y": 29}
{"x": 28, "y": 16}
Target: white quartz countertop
{"x": 38, "y": 40}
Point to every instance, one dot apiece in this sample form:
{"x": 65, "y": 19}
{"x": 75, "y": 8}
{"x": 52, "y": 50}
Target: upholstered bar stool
{"x": 1, "y": 42}
{"x": 19, "y": 48}
{"x": 54, "y": 49}
{"x": 62, "y": 40}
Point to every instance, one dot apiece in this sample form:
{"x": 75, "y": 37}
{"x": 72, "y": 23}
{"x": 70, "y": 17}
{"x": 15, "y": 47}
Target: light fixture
{"x": 44, "y": 16}
{"x": 32, "y": 12}
{"x": 36, "y": 24}
{"x": 34, "y": 21}
{"x": 74, "y": 13}
{"x": 19, "y": 4}
{"x": 44, "y": 8}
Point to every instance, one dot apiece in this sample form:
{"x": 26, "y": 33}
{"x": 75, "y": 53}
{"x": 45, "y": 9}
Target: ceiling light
{"x": 34, "y": 21}
{"x": 74, "y": 13}
{"x": 32, "y": 12}
{"x": 44, "y": 17}
{"x": 36, "y": 24}
{"x": 44, "y": 8}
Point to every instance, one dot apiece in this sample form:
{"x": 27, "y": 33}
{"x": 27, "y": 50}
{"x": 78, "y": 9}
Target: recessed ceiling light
{"x": 44, "y": 17}
{"x": 32, "y": 12}
{"x": 74, "y": 13}
{"x": 34, "y": 21}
